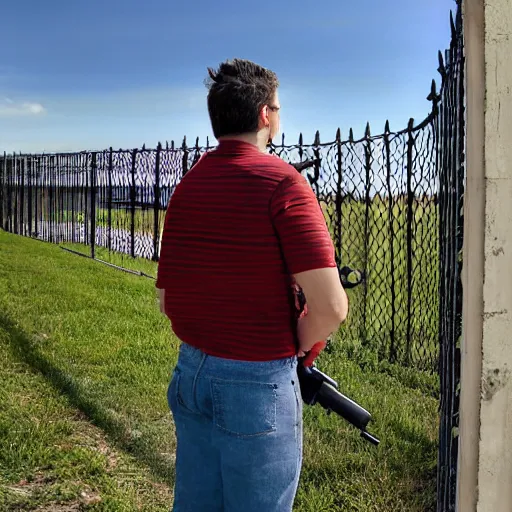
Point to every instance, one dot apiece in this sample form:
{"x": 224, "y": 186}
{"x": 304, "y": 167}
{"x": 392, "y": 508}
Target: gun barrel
{"x": 372, "y": 439}
{"x": 331, "y": 398}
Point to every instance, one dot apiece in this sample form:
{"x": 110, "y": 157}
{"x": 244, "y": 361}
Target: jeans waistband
{"x": 190, "y": 359}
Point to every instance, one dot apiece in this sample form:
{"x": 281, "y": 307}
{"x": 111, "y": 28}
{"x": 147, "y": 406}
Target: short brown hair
{"x": 237, "y": 91}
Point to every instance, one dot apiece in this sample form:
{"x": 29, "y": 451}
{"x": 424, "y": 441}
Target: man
{"x": 241, "y": 228}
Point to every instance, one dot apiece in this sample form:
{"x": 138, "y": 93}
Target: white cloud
{"x": 11, "y": 109}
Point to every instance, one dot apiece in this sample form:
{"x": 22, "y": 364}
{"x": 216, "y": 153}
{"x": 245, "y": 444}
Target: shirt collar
{"x": 235, "y": 147}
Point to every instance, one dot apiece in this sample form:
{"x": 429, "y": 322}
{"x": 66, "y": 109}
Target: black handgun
{"x": 317, "y": 387}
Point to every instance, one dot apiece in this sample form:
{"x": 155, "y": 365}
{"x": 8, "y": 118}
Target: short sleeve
{"x": 300, "y": 225}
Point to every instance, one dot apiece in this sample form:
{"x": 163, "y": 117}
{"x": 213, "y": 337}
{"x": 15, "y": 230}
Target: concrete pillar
{"x": 485, "y": 460}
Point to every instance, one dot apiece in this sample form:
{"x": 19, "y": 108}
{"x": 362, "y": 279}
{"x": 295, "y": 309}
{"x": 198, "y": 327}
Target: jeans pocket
{"x": 298, "y": 401}
{"x": 180, "y": 394}
{"x": 244, "y": 409}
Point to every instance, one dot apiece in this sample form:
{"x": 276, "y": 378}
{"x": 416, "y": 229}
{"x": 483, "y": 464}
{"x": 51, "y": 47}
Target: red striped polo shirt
{"x": 236, "y": 227}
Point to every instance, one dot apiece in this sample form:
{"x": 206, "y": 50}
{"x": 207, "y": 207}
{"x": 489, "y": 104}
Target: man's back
{"x": 240, "y": 228}
{"x": 227, "y": 284}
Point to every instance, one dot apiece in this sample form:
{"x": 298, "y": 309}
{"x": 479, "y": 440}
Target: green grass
{"x": 93, "y": 338}
{"x": 51, "y": 456}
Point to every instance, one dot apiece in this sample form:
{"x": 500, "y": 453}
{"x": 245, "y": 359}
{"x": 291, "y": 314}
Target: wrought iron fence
{"x": 450, "y": 129}
{"x": 379, "y": 195}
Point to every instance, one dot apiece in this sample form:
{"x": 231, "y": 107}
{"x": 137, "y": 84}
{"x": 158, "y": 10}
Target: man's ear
{"x": 264, "y": 116}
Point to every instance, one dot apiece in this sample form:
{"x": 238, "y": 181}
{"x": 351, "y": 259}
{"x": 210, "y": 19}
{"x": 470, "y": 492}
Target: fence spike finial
{"x": 386, "y": 127}
{"x": 184, "y": 143}
{"x": 317, "y": 138}
{"x": 144, "y": 147}
{"x": 282, "y": 139}
{"x": 410, "y": 124}
{"x": 197, "y": 143}
{"x": 351, "y": 135}
{"x": 433, "y": 88}
{"x": 452, "y": 27}
{"x": 300, "y": 139}
{"x": 433, "y": 96}
{"x": 441, "y": 69}
{"x": 338, "y": 135}
{"x": 367, "y": 132}
{"x": 166, "y": 144}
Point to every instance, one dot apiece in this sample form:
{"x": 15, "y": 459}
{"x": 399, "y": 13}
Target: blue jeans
{"x": 239, "y": 433}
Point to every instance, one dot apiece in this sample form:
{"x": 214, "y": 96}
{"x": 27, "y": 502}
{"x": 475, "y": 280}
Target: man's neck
{"x": 258, "y": 139}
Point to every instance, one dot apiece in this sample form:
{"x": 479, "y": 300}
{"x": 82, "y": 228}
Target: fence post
{"x": 446, "y": 299}
{"x": 10, "y": 187}
{"x": 387, "y": 153}
{"x": 14, "y": 196}
{"x": 156, "y": 205}
{"x": 93, "y": 204}
{"x": 73, "y": 186}
{"x": 133, "y": 197}
{"x": 28, "y": 164}
{"x": 316, "y": 177}
{"x": 60, "y": 198}
{"x": 2, "y": 192}
{"x": 21, "y": 184}
{"x": 368, "y": 168}
{"x": 338, "y": 228}
{"x": 410, "y": 216}
{"x": 21, "y": 195}
{"x": 36, "y": 210}
{"x": 109, "y": 199}
{"x": 185, "y": 158}
{"x": 68, "y": 192}
{"x": 49, "y": 166}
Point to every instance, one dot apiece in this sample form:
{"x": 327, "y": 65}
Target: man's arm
{"x": 327, "y": 305}
{"x": 309, "y": 255}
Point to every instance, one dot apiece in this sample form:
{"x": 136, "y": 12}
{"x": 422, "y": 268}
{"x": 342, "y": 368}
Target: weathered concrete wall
{"x": 473, "y": 258}
{"x": 495, "y": 467}
{"x": 485, "y": 469}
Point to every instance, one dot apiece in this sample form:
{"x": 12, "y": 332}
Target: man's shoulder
{"x": 257, "y": 164}
{"x": 277, "y": 167}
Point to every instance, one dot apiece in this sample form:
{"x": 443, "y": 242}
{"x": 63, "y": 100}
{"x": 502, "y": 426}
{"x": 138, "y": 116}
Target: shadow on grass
{"x": 25, "y": 350}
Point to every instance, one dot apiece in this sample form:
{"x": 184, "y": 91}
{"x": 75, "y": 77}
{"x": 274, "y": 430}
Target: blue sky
{"x": 89, "y": 75}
